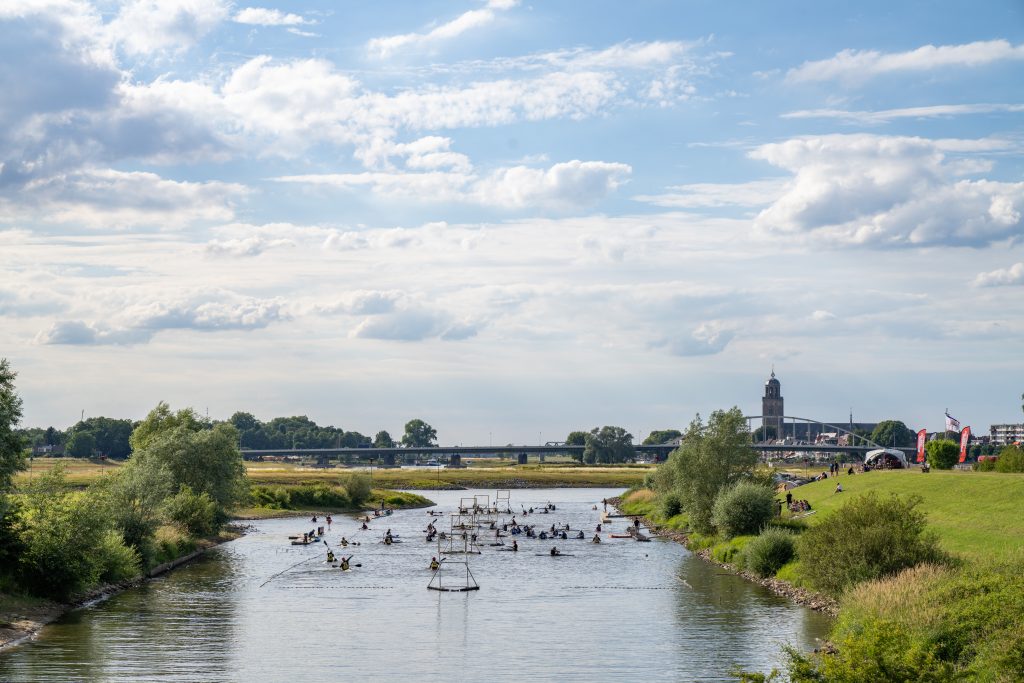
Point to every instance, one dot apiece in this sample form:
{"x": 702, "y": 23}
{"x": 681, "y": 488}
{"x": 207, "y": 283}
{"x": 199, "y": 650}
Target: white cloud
{"x": 467, "y": 21}
{"x": 103, "y": 198}
{"x": 564, "y": 185}
{"x": 259, "y": 16}
{"x": 415, "y": 324}
{"x": 143, "y": 27}
{"x": 1002, "y": 277}
{"x": 888, "y": 191}
{"x": 248, "y": 246}
{"x": 706, "y": 339}
{"x": 140, "y": 320}
{"x": 886, "y": 115}
{"x": 710, "y": 195}
{"x": 860, "y": 65}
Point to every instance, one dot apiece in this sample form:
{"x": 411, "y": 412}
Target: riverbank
{"x": 393, "y": 500}
{"x": 22, "y": 617}
{"x": 801, "y": 596}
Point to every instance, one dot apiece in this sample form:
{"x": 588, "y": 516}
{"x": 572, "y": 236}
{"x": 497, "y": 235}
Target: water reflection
{"x": 261, "y": 609}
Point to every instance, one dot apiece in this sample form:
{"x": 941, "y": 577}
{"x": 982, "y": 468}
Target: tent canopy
{"x": 886, "y": 457}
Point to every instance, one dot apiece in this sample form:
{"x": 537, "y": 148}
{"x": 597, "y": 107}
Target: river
{"x": 615, "y": 611}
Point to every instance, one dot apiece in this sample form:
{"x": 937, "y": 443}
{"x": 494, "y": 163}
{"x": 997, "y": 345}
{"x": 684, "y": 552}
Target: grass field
{"x": 976, "y": 514}
{"x": 479, "y": 474}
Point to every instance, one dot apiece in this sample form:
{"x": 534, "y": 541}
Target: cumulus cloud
{"x": 142, "y": 27}
{"x": 565, "y": 185}
{"x": 860, "y": 65}
{"x": 706, "y": 339}
{"x": 1002, "y": 277}
{"x": 364, "y": 302}
{"x": 414, "y": 324}
{"x": 467, "y": 21}
{"x": 258, "y": 16}
{"x": 246, "y": 246}
{"x": 104, "y": 198}
{"x": 888, "y": 191}
{"x": 140, "y": 320}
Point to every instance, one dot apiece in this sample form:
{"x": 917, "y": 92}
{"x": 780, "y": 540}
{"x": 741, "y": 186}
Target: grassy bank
{"x": 396, "y": 500}
{"x": 976, "y": 514}
{"x": 480, "y": 473}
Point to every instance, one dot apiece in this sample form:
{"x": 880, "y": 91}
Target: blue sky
{"x": 512, "y": 219}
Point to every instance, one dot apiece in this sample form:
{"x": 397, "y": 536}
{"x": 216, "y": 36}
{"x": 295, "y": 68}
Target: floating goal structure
{"x": 453, "y": 576}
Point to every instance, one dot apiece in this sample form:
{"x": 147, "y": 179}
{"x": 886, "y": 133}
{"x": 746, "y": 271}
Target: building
{"x": 1005, "y": 434}
{"x": 772, "y": 406}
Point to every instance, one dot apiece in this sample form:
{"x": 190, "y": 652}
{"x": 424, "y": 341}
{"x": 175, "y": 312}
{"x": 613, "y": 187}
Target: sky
{"x": 513, "y": 220}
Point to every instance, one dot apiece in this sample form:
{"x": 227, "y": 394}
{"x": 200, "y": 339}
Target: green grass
{"x": 976, "y": 514}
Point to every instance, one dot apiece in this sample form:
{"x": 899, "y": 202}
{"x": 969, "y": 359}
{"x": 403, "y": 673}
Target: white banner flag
{"x": 952, "y": 424}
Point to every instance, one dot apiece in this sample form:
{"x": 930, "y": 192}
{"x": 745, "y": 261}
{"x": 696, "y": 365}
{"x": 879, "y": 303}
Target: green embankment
{"x": 976, "y": 514}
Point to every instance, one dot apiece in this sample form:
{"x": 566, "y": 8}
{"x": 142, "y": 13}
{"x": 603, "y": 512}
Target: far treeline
{"x": 910, "y": 610}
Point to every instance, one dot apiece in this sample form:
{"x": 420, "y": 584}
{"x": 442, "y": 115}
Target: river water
{"x": 615, "y": 611}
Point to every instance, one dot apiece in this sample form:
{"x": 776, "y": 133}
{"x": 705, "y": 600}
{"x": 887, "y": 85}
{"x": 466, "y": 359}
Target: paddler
{"x": 330, "y": 556}
{"x": 434, "y": 564}
{"x": 344, "y": 563}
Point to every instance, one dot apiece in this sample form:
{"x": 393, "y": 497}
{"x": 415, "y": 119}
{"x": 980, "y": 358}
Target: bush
{"x": 358, "y": 488}
{"x": 116, "y": 561}
{"x": 273, "y": 497}
{"x": 318, "y": 496}
{"x": 942, "y": 453}
{"x": 731, "y": 551}
{"x": 868, "y": 538}
{"x": 984, "y": 466}
{"x": 767, "y": 553}
{"x": 670, "y": 505}
{"x": 743, "y": 508}
{"x": 196, "y": 513}
{"x": 1011, "y": 459}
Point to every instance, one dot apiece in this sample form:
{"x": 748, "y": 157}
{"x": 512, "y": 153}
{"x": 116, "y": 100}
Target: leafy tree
{"x": 160, "y": 421}
{"x": 891, "y": 433}
{"x": 868, "y": 538}
{"x": 353, "y": 440}
{"x": 660, "y": 436}
{"x": 12, "y": 459}
{"x": 82, "y": 444}
{"x": 766, "y": 554}
{"x": 419, "y": 434}
{"x": 576, "y": 439}
{"x": 358, "y": 487}
{"x": 134, "y": 499}
{"x": 383, "y": 440}
{"x": 207, "y": 460}
{"x": 244, "y": 422}
{"x": 765, "y": 433}
{"x": 607, "y": 445}
{"x": 110, "y": 435}
{"x": 54, "y": 437}
{"x": 711, "y": 457}
{"x": 194, "y": 512}
{"x": 942, "y": 454}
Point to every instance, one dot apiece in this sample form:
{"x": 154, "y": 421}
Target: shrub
{"x": 942, "y": 453}
{"x": 670, "y": 505}
{"x": 868, "y": 538}
{"x": 987, "y": 465}
{"x": 115, "y": 560}
{"x": 318, "y": 496}
{"x": 358, "y": 488}
{"x": 194, "y": 512}
{"x": 767, "y": 553}
{"x": 731, "y": 551}
{"x": 273, "y": 497}
{"x": 743, "y": 508}
{"x": 1011, "y": 459}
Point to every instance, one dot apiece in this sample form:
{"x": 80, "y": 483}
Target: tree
{"x": 660, "y": 436}
{"x": 743, "y": 508}
{"x": 82, "y": 444}
{"x": 12, "y": 459}
{"x": 711, "y": 457}
{"x": 765, "y": 433}
{"x": 134, "y": 498}
{"x": 383, "y": 440}
{"x": 244, "y": 422}
{"x": 418, "y": 434}
{"x": 1011, "y": 459}
{"x": 111, "y": 435}
{"x": 892, "y": 433}
{"x": 161, "y": 420}
{"x": 207, "y": 460}
{"x": 608, "y": 445}
{"x": 942, "y": 453}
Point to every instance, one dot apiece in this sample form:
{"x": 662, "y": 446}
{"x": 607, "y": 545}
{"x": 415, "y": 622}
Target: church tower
{"x": 771, "y": 406}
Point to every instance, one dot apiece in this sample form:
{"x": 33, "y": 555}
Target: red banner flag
{"x": 965, "y": 436}
{"x": 922, "y": 436}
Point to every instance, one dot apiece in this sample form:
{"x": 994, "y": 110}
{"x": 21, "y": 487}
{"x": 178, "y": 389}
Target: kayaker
{"x": 515, "y": 547}
{"x": 365, "y": 527}
{"x": 329, "y": 520}
{"x": 434, "y": 564}
{"x": 555, "y": 551}
{"x": 344, "y": 563}
{"x": 597, "y": 539}
{"x": 330, "y": 556}
{"x": 344, "y": 541}
{"x": 580, "y": 534}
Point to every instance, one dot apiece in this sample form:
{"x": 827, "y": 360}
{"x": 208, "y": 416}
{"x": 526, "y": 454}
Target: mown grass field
{"x": 977, "y": 514}
{"x": 479, "y": 474}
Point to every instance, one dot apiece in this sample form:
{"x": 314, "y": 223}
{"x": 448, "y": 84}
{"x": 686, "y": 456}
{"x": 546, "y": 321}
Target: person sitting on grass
{"x": 839, "y": 488}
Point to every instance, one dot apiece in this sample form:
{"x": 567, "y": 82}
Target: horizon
{"x": 513, "y": 220}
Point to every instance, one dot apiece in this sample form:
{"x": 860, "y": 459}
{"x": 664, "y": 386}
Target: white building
{"x": 1004, "y": 434}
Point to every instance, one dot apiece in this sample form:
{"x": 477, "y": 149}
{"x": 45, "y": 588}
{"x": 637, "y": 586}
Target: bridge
{"x": 389, "y": 457}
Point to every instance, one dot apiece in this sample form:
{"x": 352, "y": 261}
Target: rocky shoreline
{"x": 25, "y": 626}
{"x": 801, "y": 596}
